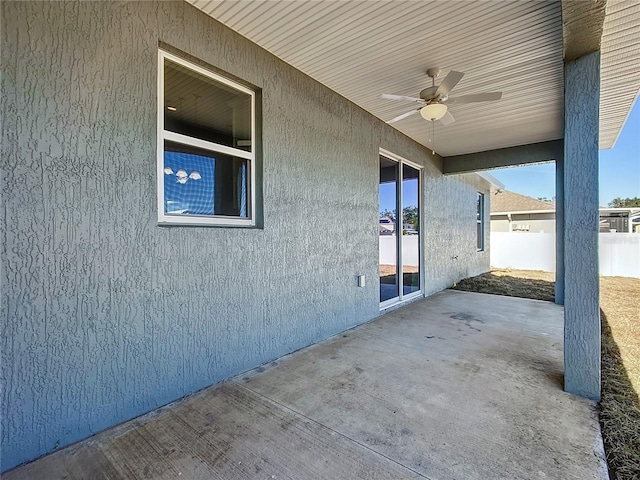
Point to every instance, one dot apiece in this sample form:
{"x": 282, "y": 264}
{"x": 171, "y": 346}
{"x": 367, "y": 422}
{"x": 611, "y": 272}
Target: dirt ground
{"x": 513, "y": 283}
{"x": 620, "y": 316}
{"x": 410, "y": 277}
{"x": 386, "y": 270}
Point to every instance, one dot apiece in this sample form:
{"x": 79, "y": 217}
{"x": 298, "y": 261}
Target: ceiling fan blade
{"x": 447, "y": 119}
{"x": 404, "y": 115}
{"x": 450, "y": 81}
{"x": 478, "y": 97}
{"x": 401, "y": 97}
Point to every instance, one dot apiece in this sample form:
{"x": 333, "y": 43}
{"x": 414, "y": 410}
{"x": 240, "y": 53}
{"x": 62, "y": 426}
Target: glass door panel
{"x": 388, "y": 240}
{"x": 410, "y": 230}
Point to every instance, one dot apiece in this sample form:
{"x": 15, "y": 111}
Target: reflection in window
{"x": 201, "y": 107}
{"x": 200, "y": 182}
{"x": 388, "y": 242}
{"x": 410, "y": 230}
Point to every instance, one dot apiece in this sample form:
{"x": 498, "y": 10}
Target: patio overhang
{"x": 542, "y": 152}
{"x": 364, "y": 49}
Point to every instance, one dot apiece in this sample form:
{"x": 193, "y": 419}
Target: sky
{"x": 619, "y": 169}
{"x": 388, "y": 195}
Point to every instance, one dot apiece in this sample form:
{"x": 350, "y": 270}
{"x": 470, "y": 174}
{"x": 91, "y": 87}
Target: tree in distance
{"x": 625, "y": 202}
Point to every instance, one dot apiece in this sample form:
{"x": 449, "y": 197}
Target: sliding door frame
{"x": 401, "y": 298}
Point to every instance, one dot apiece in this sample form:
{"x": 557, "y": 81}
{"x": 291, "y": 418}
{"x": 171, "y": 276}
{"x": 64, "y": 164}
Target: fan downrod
{"x": 428, "y": 94}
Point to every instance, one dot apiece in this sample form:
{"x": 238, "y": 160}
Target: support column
{"x": 560, "y": 231}
{"x": 581, "y": 299}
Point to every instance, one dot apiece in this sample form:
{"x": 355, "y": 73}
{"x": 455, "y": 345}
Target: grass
{"x": 620, "y": 404}
{"x": 620, "y": 317}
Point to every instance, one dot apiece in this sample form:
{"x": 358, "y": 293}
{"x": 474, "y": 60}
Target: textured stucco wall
{"x": 581, "y": 220}
{"x": 106, "y": 315}
{"x": 450, "y": 243}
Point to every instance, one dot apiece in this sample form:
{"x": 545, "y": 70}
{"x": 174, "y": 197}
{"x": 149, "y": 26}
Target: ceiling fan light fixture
{"x": 433, "y": 111}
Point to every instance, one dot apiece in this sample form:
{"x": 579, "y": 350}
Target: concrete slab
{"x": 457, "y": 386}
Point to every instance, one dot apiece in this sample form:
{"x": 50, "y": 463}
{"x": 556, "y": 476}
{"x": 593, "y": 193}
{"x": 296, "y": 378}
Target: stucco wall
{"x": 107, "y": 315}
{"x": 450, "y": 240}
{"x": 581, "y": 280}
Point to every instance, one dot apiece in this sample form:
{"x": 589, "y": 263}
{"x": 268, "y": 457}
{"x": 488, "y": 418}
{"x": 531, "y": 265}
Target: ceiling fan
{"x": 434, "y": 100}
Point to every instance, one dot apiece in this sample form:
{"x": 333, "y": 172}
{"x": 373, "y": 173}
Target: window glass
{"x": 201, "y": 107}
{"x": 410, "y": 229}
{"x": 480, "y": 221}
{"x": 202, "y": 182}
{"x": 388, "y": 241}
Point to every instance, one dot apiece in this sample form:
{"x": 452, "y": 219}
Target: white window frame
{"x": 162, "y": 135}
{"x": 480, "y": 221}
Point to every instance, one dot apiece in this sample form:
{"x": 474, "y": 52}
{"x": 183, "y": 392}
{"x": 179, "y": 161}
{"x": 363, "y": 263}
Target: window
{"x": 520, "y": 227}
{"x": 206, "y": 147}
{"x": 480, "y": 221}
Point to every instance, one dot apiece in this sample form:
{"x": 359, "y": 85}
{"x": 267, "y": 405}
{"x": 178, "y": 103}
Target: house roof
{"x": 497, "y": 184}
{"x": 507, "y": 202}
{"x": 364, "y": 49}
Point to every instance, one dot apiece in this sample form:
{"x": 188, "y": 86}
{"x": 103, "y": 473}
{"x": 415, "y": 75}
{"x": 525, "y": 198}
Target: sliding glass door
{"x": 399, "y": 240}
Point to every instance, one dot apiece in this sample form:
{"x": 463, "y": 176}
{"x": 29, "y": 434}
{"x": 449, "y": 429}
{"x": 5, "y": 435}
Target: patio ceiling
{"x": 362, "y": 49}
{"x": 620, "y": 67}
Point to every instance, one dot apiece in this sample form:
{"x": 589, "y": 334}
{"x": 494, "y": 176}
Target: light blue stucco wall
{"x": 450, "y": 246}
{"x": 581, "y": 225}
{"x": 106, "y": 315}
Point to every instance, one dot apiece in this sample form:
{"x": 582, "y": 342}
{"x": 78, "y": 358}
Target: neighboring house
{"x": 620, "y": 220}
{"x": 513, "y": 212}
{"x": 166, "y": 184}
{"x": 387, "y": 225}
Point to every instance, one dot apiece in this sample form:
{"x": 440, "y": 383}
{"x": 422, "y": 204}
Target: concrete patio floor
{"x": 457, "y": 386}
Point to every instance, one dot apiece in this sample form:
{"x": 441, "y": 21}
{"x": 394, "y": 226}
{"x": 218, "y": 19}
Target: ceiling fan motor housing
{"x": 429, "y": 93}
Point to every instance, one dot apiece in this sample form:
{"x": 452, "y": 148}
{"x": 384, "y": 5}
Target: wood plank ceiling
{"x": 620, "y": 67}
{"x": 362, "y": 49}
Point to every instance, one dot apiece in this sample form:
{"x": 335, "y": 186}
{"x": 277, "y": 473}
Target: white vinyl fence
{"x": 409, "y": 249}
{"x": 619, "y": 253}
